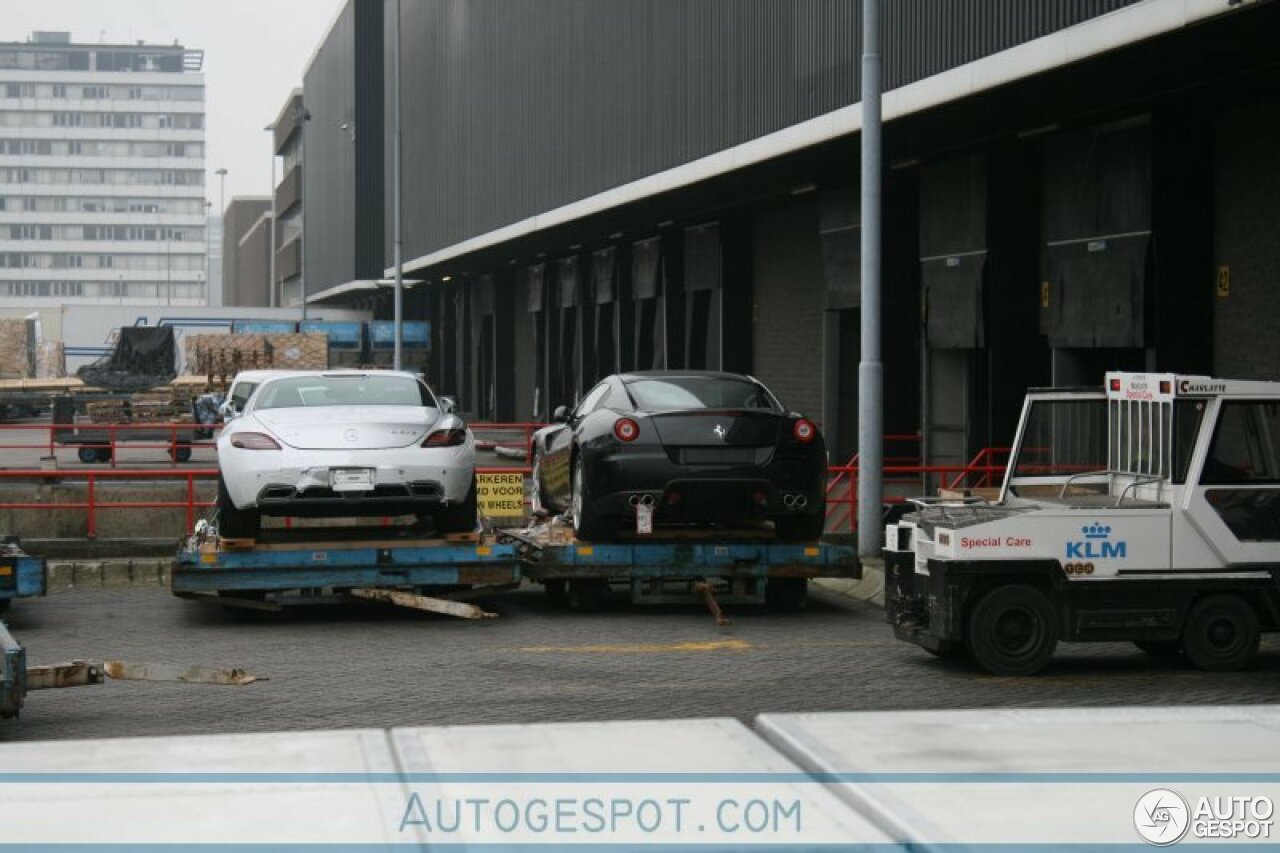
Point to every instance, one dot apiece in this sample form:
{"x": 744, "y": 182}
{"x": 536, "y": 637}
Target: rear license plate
{"x": 718, "y": 456}
{"x": 351, "y": 479}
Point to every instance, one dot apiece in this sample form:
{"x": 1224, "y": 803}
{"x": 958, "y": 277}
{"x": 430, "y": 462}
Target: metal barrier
{"x": 91, "y": 505}
{"x": 103, "y": 440}
{"x": 842, "y": 509}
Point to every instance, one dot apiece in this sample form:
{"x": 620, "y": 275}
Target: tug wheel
{"x": 1013, "y": 630}
{"x": 1221, "y": 634}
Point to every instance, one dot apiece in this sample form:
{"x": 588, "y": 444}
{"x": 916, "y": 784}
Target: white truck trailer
{"x": 1147, "y": 511}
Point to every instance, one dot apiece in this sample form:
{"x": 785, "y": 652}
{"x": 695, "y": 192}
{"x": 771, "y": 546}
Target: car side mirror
{"x": 448, "y": 405}
{"x": 561, "y": 415}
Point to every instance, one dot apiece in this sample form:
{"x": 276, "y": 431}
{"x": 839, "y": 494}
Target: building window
{"x": 96, "y": 93}
{"x": 59, "y": 91}
{"x": 135, "y": 93}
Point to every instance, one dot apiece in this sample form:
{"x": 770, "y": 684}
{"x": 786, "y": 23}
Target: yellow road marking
{"x": 645, "y": 648}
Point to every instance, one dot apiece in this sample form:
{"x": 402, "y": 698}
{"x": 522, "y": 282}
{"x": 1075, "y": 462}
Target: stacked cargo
{"x": 14, "y": 360}
{"x": 51, "y": 360}
{"x": 309, "y": 351}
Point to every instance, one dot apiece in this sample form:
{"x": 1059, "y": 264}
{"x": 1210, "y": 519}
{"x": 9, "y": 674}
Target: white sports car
{"x": 342, "y": 444}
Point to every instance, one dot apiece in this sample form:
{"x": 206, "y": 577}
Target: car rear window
{"x": 699, "y": 392}
{"x": 306, "y": 391}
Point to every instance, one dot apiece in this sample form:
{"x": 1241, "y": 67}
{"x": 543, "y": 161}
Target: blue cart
{"x": 21, "y": 576}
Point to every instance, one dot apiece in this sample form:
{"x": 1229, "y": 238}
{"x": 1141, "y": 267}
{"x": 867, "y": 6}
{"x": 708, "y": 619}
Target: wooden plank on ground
{"x": 423, "y": 602}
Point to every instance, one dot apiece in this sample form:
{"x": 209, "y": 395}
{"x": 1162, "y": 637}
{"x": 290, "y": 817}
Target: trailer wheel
{"x": 588, "y": 595}
{"x": 786, "y": 595}
{"x": 180, "y": 454}
{"x": 87, "y": 455}
{"x": 1221, "y": 634}
{"x": 557, "y": 590}
{"x": 1013, "y": 630}
{"x": 102, "y": 454}
{"x": 1163, "y": 649}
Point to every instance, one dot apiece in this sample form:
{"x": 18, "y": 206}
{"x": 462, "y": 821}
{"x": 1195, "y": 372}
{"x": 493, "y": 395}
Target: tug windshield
{"x": 1062, "y": 437}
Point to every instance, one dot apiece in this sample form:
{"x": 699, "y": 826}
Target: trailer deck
{"x": 319, "y": 565}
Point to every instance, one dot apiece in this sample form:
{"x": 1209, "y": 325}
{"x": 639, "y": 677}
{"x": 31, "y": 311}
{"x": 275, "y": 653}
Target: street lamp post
{"x": 301, "y": 116}
{"x": 396, "y": 202}
{"x": 222, "y": 191}
{"x": 208, "y": 252}
{"x": 870, "y": 369}
{"x": 271, "y": 285}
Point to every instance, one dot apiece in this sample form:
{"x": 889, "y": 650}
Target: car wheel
{"x": 1221, "y": 634}
{"x": 459, "y": 518}
{"x": 537, "y": 498}
{"x": 587, "y": 525}
{"x": 1013, "y": 630}
{"x": 180, "y": 454}
{"x": 236, "y": 523}
{"x": 87, "y": 455}
{"x": 102, "y": 454}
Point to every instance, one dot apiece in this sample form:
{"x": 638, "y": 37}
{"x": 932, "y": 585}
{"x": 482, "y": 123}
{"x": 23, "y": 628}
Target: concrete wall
{"x": 789, "y": 291}
{"x": 1246, "y": 328}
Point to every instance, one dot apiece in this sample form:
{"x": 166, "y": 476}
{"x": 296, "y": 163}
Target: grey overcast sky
{"x": 256, "y": 52}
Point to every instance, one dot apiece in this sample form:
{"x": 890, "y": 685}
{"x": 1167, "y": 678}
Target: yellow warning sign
{"x": 501, "y": 495}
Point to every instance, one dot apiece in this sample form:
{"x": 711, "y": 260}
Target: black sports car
{"x": 695, "y": 446}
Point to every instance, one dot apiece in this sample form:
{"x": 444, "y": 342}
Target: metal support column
{"x": 870, "y": 370}
{"x": 396, "y": 200}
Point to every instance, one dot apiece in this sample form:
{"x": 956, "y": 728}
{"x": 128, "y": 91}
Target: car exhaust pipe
{"x": 789, "y": 501}
{"x": 801, "y": 502}
{"x": 647, "y": 500}
{"x": 633, "y": 501}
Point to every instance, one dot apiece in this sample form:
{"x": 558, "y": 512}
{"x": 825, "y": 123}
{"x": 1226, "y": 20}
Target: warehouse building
{"x": 1070, "y": 186}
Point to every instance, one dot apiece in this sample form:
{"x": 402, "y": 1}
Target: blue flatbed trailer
{"x": 375, "y": 563}
{"x": 742, "y": 567}
{"x": 21, "y": 576}
{"x": 298, "y": 567}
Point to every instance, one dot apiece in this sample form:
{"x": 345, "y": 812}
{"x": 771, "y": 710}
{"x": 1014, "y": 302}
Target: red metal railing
{"x": 982, "y": 471}
{"x": 109, "y": 438}
{"x": 92, "y": 505}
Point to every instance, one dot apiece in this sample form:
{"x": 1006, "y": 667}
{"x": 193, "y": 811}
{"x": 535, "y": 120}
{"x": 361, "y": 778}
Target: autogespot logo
{"x": 1162, "y": 817}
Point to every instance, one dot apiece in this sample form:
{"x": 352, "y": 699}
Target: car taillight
{"x": 626, "y": 429}
{"x": 446, "y": 438}
{"x": 804, "y": 431}
{"x": 254, "y": 441}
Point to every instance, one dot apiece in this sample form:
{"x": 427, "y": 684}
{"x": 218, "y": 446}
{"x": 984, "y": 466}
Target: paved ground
{"x": 373, "y": 667}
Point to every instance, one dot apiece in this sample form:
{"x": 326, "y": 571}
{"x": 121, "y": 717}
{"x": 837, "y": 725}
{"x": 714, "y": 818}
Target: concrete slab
{"x": 1031, "y": 776}
{"x": 207, "y": 789}
{"x": 726, "y": 777}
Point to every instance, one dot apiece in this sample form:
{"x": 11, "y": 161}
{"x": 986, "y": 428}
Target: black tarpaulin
{"x": 143, "y": 357}
{"x": 953, "y": 296}
{"x": 570, "y": 284}
{"x": 840, "y": 232}
{"x": 646, "y": 268}
{"x": 1096, "y": 292}
{"x": 534, "y": 276}
{"x": 702, "y": 258}
{"x": 604, "y": 271}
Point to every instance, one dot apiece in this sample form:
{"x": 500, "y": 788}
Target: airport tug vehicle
{"x": 1147, "y": 511}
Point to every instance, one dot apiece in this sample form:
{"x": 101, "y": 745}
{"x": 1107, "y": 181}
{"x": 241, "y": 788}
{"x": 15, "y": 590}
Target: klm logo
{"x": 1097, "y": 545}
